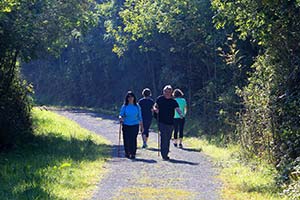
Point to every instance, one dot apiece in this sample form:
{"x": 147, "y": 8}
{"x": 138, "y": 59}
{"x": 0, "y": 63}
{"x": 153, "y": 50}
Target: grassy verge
{"x": 241, "y": 179}
{"x": 62, "y": 161}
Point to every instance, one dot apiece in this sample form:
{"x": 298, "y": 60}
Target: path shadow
{"x": 150, "y": 161}
{"x": 118, "y": 152}
{"x": 191, "y": 149}
{"x": 152, "y": 149}
{"x": 182, "y": 162}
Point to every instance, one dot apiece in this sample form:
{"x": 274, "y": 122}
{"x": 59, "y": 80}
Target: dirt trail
{"x": 188, "y": 175}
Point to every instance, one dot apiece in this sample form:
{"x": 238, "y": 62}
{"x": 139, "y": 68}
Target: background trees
{"x": 270, "y": 122}
{"x": 31, "y": 29}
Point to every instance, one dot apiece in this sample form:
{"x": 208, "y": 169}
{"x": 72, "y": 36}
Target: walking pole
{"x": 158, "y": 139}
{"x": 120, "y": 130}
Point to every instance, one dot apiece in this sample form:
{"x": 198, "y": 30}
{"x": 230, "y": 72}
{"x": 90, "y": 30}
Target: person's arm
{"x": 152, "y": 110}
{"x": 185, "y": 107}
{"x": 179, "y": 112}
{"x": 122, "y": 114}
{"x": 177, "y": 109}
{"x": 140, "y": 118}
{"x": 155, "y": 108}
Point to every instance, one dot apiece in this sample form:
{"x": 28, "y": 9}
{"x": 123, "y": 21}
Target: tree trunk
{"x": 153, "y": 76}
{"x": 189, "y": 74}
{"x": 8, "y": 76}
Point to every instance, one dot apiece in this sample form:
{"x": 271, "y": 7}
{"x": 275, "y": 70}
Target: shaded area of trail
{"x": 188, "y": 175}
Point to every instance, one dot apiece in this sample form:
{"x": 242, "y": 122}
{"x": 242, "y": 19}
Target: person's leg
{"x": 144, "y": 140}
{"x": 181, "y": 128}
{"x": 166, "y": 133}
{"x": 130, "y": 140}
{"x": 126, "y": 140}
{"x": 135, "y": 132}
{"x": 176, "y": 127}
{"x": 169, "y": 131}
{"x": 147, "y": 124}
{"x": 148, "y": 127}
{"x": 163, "y": 140}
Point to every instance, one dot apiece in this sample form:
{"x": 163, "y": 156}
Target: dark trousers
{"x": 146, "y": 124}
{"x": 130, "y": 138}
{"x": 165, "y": 136}
{"x": 178, "y": 126}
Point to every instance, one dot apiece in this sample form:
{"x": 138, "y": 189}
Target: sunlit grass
{"x": 241, "y": 179}
{"x": 62, "y": 161}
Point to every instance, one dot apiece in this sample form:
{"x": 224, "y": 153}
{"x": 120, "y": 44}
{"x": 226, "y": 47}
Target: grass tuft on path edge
{"x": 251, "y": 180}
{"x": 62, "y": 161}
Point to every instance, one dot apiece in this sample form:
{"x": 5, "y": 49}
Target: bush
{"x": 293, "y": 189}
{"x": 15, "y": 106}
{"x": 255, "y": 128}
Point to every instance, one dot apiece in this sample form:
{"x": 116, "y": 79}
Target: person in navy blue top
{"x": 131, "y": 119}
{"x": 146, "y": 103}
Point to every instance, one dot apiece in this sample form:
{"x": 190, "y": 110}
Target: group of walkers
{"x": 169, "y": 110}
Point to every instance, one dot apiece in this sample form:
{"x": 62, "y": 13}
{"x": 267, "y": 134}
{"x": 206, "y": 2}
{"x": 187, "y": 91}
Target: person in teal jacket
{"x": 179, "y": 121}
{"x": 131, "y": 119}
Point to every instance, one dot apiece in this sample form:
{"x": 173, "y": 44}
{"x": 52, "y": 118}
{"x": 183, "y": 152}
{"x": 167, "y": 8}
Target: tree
{"x": 27, "y": 30}
{"x": 269, "y": 125}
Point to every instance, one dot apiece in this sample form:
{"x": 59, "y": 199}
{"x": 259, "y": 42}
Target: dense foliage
{"x": 270, "y": 122}
{"x": 29, "y": 29}
{"x": 178, "y": 53}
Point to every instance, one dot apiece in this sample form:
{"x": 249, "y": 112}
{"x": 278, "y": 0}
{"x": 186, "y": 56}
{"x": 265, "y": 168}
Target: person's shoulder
{"x": 174, "y": 99}
{"x": 123, "y": 106}
{"x": 159, "y": 98}
{"x": 141, "y": 100}
{"x": 180, "y": 99}
{"x": 175, "y": 102}
{"x": 150, "y": 100}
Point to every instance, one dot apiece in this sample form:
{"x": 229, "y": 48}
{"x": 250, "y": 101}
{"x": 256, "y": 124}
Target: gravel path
{"x": 188, "y": 175}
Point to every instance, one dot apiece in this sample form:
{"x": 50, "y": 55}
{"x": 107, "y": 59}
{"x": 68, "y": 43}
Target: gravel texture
{"x": 188, "y": 175}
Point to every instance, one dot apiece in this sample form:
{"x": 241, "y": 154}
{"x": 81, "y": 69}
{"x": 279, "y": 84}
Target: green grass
{"x": 61, "y": 161}
{"x": 241, "y": 179}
